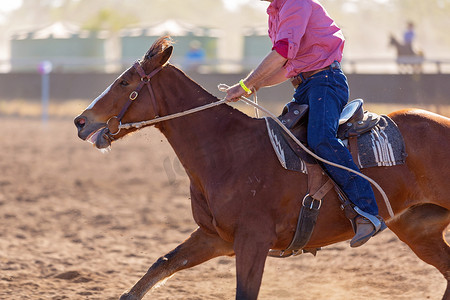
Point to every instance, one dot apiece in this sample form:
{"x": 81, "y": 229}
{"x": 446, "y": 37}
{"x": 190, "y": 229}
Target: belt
{"x": 298, "y": 79}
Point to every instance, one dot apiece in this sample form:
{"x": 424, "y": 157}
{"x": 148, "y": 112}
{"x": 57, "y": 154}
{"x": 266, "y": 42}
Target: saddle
{"x": 354, "y": 123}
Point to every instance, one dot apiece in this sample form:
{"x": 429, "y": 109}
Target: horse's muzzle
{"x": 94, "y": 133}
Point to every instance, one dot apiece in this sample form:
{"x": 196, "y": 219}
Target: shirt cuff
{"x": 282, "y": 47}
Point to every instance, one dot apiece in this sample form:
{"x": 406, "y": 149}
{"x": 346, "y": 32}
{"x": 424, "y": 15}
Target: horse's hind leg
{"x": 422, "y": 228}
{"x": 198, "y": 248}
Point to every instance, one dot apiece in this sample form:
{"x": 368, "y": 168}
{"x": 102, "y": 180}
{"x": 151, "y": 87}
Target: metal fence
{"x": 97, "y": 65}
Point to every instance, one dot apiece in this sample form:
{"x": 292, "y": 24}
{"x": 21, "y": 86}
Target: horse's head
{"x": 130, "y": 98}
{"x": 392, "y": 40}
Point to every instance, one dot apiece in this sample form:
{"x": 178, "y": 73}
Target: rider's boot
{"x": 366, "y": 228}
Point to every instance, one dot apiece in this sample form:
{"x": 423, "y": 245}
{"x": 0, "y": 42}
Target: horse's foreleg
{"x": 198, "y": 248}
{"x": 250, "y": 260}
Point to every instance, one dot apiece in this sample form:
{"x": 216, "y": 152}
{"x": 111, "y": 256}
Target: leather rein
{"x": 145, "y": 80}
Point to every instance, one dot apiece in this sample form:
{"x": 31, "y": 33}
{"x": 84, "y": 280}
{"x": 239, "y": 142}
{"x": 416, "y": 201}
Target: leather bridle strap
{"x": 145, "y": 80}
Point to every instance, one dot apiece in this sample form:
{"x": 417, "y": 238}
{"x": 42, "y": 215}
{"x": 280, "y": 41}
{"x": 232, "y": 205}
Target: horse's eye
{"x": 123, "y": 82}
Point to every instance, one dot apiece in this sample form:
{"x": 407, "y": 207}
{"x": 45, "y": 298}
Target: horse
{"x": 244, "y": 202}
{"x": 408, "y": 60}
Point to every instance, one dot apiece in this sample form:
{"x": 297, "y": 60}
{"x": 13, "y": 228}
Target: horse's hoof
{"x": 127, "y": 296}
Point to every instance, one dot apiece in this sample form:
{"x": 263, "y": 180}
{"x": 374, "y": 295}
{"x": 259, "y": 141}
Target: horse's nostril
{"x": 80, "y": 122}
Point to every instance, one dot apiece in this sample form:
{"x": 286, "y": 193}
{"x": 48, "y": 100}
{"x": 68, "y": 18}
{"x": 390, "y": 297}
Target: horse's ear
{"x": 165, "y": 55}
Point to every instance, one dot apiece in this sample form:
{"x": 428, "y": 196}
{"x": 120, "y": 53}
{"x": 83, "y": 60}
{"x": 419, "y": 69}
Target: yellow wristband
{"x": 246, "y": 89}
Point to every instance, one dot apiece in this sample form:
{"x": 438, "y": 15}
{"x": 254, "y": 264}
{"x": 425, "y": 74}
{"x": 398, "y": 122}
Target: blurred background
{"x": 78, "y": 224}
{"x": 57, "y": 55}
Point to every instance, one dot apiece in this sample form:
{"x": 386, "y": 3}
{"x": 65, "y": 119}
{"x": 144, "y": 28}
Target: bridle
{"x": 145, "y": 80}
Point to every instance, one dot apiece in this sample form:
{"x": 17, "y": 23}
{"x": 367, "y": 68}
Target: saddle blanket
{"x": 381, "y": 146}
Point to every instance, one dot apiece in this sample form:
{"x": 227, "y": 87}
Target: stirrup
{"x": 373, "y": 219}
{"x": 376, "y": 226}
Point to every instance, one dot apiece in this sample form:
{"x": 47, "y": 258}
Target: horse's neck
{"x": 204, "y": 138}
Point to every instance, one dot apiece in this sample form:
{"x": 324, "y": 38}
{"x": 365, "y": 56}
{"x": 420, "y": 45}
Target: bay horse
{"x": 408, "y": 60}
{"x": 244, "y": 202}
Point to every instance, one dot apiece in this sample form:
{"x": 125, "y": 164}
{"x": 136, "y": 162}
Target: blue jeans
{"x": 326, "y": 93}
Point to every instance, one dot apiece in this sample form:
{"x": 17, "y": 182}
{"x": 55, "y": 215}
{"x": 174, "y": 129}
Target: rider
{"x": 408, "y": 36}
{"x": 307, "y": 48}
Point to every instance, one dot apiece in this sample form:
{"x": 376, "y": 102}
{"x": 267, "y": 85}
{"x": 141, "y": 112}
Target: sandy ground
{"x": 79, "y": 224}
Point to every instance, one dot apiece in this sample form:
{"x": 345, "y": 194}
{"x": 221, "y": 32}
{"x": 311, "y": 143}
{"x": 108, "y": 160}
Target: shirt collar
{"x": 275, "y": 5}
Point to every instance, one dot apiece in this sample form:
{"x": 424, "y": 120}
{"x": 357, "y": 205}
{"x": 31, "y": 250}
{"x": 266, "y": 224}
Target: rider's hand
{"x": 235, "y": 92}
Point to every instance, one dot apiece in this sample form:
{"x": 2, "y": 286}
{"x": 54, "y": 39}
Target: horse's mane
{"x": 158, "y": 46}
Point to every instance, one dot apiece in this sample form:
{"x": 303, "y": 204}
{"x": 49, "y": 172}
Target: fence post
{"x": 45, "y": 67}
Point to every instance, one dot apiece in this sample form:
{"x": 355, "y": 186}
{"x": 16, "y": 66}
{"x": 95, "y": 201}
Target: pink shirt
{"x": 304, "y": 33}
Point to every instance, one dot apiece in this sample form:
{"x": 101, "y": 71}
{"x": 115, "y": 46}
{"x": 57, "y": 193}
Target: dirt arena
{"x": 79, "y": 224}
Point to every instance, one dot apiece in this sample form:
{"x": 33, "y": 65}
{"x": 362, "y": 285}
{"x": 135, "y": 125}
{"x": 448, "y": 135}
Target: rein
{"x": 145, "y": 80}
{"x": 172, "y": 116}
